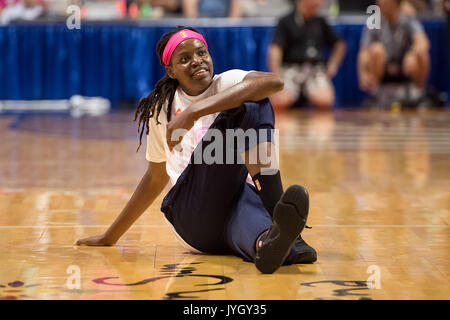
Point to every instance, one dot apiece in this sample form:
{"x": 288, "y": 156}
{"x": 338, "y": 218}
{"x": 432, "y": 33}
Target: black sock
{"x": 269, "y": 188}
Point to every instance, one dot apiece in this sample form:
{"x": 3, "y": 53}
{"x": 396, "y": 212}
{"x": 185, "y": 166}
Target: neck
{"x": 195, "y": 92}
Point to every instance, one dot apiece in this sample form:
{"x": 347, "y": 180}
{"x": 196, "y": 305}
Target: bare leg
{"x": 322, "y": 97}
{"x": 371, "y": 66}
{"x": 417, "y": 66}
{"x": 378, "y": 56}
{"x": 282, "y": 100}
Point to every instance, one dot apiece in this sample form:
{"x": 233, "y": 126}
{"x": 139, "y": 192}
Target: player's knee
{"x": 322, "y": 98}
{"x": 410, "y": 64}
{"x": 282, "y": 100}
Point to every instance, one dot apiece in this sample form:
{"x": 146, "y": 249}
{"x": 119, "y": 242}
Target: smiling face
{"x": 192, "y": 66}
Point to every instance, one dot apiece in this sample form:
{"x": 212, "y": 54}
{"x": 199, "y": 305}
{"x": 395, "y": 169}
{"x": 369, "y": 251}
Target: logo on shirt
{"x": 178, "y": 111}
{"x": 258, "y": 186}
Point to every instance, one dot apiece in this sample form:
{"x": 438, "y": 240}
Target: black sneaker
{"x": 306, "y": 253}
{"x": 289, "y": 219}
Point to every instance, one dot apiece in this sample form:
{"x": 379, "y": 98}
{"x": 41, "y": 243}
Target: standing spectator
{"x": 397, "y": 52}
{"x": 212, "y": 8}
{"x": 297, "y": 54}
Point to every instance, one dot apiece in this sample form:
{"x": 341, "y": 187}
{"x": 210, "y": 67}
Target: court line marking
{"x": 314, "y": 226}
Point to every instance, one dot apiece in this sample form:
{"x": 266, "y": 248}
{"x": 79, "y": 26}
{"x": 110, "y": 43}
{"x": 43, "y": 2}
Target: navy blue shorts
{"x": 212, "y": 207}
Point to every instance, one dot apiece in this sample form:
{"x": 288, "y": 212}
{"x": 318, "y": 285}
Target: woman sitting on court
{"x": 216, "y": 207}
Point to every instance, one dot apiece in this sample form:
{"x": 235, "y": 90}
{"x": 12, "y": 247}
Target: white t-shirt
{"x": 178, "y": 159}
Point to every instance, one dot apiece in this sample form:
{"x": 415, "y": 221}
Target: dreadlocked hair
{"x": 163, "y": 92}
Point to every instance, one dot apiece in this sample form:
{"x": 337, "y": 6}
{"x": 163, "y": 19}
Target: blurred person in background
{"x": 212, "y": 8}
{"x": 58, "y": 8}
{"x": 14, "y": 10}
{"x": 4, "y": 3}
{"x": 171, "y": 8}
{"x": 266, "y": 8}
{"x": 153, "y": 8}
{"x": 297, "y": 54}
{"x": 395, "y": 53}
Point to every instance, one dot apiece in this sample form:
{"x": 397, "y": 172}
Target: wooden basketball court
{"x": 380, "y": 210}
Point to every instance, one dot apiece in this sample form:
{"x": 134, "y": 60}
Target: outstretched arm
{"x": 255, "y": 86}
{"x": 151, "y": 185}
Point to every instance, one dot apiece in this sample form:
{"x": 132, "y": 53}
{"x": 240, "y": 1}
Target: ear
{"x": 169, "y": 71}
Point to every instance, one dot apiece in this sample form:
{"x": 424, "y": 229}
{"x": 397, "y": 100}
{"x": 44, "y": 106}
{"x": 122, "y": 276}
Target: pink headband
{"x": 178, "y": 38}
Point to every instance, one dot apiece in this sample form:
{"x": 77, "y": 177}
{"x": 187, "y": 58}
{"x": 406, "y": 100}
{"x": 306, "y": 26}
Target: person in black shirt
{"x": 297, "y": 54}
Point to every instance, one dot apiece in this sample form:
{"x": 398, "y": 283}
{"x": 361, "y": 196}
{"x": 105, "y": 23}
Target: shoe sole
{"x": 290, "y": 215}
